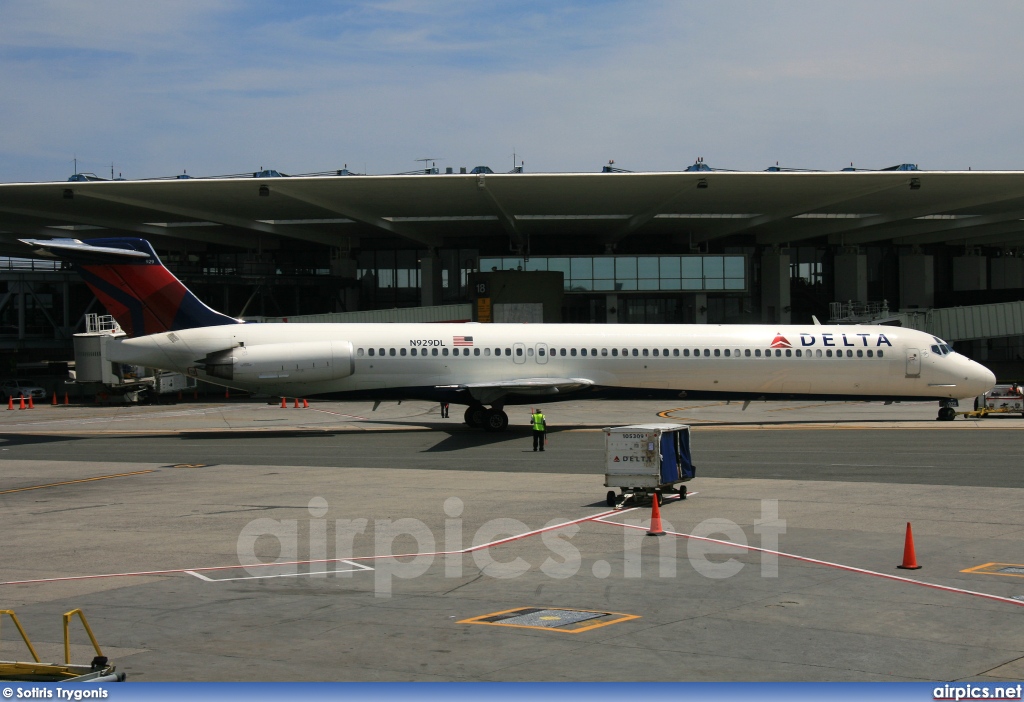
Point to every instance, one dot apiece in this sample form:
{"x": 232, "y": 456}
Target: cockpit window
{"x": 941, "y": 347}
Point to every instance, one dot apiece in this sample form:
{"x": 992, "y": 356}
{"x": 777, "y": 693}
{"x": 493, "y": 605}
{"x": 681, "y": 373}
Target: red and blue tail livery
{"x": 127, "y": 276}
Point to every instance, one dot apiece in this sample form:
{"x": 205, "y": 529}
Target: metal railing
{"x": 97, "y": 323}
{"x": 28, "y": 264}
{"x": 855, "y": 311}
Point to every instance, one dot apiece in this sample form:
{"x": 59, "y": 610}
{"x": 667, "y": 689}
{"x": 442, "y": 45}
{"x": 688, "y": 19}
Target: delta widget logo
{"x": 781, "y": 342}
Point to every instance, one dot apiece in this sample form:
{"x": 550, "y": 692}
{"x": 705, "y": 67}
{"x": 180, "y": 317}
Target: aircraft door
{"x": 519, "y": 353}
{"x": 542, "y": 353}
{"x": 913, "y": 363}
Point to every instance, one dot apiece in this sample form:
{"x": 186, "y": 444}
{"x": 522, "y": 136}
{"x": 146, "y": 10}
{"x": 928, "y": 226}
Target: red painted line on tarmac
{"x": 829, "y": 564}
{"x": 471, "y": 549}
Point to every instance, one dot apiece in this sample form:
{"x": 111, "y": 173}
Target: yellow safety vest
{"x": 538, "y": 422}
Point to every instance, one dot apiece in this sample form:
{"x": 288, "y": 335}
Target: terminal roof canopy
{"x": 915, "y": 207}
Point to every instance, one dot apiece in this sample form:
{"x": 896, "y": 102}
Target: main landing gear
{"x": 479, "y": 417}
{"x": 947, "y": 410}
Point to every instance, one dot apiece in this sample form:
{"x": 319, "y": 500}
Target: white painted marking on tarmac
{"x": 874, "y": 465}
{"x": 132, "y": 418}
{"x": 339, "y": 414}
{"x": 193, "y": 571}
{"x": 358, "y": 567}
{"x": 829, "y": 564}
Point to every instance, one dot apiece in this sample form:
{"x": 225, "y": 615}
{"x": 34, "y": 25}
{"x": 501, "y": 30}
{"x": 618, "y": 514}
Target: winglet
{"x": 816, "y": 322}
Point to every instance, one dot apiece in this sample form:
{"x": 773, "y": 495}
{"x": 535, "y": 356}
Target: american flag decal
{"x": 462, "y": 341}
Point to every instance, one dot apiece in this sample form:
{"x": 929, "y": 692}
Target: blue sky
{"x": 225, "y": 86}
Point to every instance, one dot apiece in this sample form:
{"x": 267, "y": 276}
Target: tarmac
{"x": 243, "y": 541}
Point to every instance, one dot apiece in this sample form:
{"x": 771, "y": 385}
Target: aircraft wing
{"x": 492, "y": 391}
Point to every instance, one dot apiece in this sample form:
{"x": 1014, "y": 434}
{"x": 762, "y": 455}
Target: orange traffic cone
{"x": 227, "y": 394}
{"x": 304, "y": 403}
{"x": 296, "y": 403}
{"x": 66, "y": 403}
{"x": 10, "y": 402}
{"x": 655, "y": 529}
{"x": 909, "y": 557}
{"x": 22, "y": 402}
{"x": 31, "y": 404}
{"x": 54, "y": 403}
{"x": 284, "y": 403}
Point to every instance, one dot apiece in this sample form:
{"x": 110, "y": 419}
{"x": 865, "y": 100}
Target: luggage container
{"x": 647, "y": 461}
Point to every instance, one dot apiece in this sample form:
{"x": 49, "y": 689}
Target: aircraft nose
{"x": 979, "y": 379}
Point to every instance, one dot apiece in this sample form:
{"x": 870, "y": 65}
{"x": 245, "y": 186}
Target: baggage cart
{"x": 647, "y": 461}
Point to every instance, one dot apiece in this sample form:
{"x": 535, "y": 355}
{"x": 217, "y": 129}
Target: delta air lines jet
{"x": 488, "y": 366}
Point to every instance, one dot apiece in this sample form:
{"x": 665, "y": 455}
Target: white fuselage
{"x": 750, "y": 360}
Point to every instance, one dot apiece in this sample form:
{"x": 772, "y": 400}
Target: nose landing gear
{"x": 947, "y": 410}
{"x": 479, "y": 417}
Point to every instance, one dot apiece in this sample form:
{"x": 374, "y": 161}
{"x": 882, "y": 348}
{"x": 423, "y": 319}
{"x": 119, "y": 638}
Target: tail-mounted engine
{"x": 298, "y": 362}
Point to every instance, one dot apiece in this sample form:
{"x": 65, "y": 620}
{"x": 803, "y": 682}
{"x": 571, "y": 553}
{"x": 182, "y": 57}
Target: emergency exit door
{"x": 913, "y": 363}
{"x": 542, "y": 353}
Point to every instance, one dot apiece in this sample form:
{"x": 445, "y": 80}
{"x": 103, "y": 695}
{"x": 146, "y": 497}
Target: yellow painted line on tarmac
{"x": 1013, "y": 570}
{"x": 73, "y": 482}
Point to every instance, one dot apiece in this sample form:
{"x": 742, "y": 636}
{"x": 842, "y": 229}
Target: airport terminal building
{"x": 939, "y": 251}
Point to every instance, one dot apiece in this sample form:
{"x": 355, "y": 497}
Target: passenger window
{"x": 636, "y": 352}
{"x": 849, "y": 354}
{"x": 487, "y": 352}
{"x": 860, "y": 354}
{"x": 562, "y": 352}
{"x": 757, "y": 353}
{"x": 391, "y": 352}
{"x": 615, "y": 352}
{"x": 519, "y": 352}
{"x": 778, "y": 353}
{"x": 465, "y": 352}
{"x": 707, "y": 352}
{"x": 593, "y": 352}
{"x": 371, "y": 351}
{"x": 789, "y": 353}
{"x": 625, "y": 352}
{"x": 444, "y": 352}
{"x": 655, "y": 352}
{"x": 718, "y": 352}
{"x": 433, "y": 351}
{"x": 359, "y": 352}
{"x": 604, "y": 352}
{"x": 664, "y": 352}
{"x": 828, "y": 353}
{"x": 476, "y": 352}
{"x": 870, "y": 353}
{"x": 645, "y": 352}
{"x": 583, "y": 352}
{"x": 529, "y": 352}
{"x": 727, "y": 353}
{"x": 401, "y": 352}
{"x": 879, "y": 353}
{"x": 540, "y": 352}
{"x": 675, "y": 353}
{"x": 572, "y": 352}
{"x": 382, "y": 352}
{"x": 818, "y": 353}
{"x": 686, "y": 352}
{"x": 799, "y": 353}
{"x": 746, "y": 352}
{"x": 508, "y": 352}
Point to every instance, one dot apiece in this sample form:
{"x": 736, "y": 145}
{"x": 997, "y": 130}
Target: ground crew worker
{"x": 539, "y": 427}
{"x": 444, "y": 410}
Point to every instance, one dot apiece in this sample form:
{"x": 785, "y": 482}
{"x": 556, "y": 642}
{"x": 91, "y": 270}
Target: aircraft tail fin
{"x": 127, "y": 276}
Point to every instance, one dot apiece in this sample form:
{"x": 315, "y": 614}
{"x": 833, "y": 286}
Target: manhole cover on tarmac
{"x": 1012, "y": 569}
{"x": 570, "y": 621}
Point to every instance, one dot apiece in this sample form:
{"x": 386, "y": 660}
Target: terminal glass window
{"x": 698, "y": 272}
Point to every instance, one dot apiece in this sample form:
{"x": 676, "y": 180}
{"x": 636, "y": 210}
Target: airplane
{"x": 489, "y": 366}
